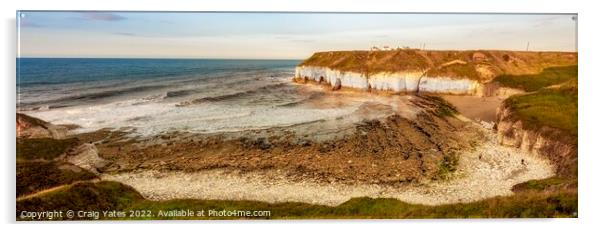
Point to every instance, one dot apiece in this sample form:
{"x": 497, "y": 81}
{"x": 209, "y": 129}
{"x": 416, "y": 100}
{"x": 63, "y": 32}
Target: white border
{"x": 589, "y": 112}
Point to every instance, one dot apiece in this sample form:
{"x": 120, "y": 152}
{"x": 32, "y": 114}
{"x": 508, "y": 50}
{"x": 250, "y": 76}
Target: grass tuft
{"x": 447, "y": 166}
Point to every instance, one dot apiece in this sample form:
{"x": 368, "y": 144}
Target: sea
{"x": 155, "y": 96}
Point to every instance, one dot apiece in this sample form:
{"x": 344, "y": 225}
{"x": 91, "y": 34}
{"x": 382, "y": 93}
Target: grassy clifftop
{"x": 533, "y": 82}
{"x": 529, "y": 201}
{"x": 553, "y": 107}
{"x": 479, "y": 65}
{"x": 549, "y": 114}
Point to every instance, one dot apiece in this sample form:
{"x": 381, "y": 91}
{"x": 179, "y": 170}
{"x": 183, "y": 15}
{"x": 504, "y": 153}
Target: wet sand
{"x": 474, "y": 107}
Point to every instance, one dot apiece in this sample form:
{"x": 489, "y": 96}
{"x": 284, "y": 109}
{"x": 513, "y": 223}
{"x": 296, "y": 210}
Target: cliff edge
{"x": 408, "y": 70}
{"x": 543, "y": 123}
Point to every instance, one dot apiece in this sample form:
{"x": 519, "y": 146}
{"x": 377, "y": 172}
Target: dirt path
{"x": 491, "y": 170}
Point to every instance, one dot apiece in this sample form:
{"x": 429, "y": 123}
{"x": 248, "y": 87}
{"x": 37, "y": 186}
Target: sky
{"x": 280, "y": 35}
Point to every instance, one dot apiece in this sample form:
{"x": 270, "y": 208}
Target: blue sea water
{"x": 159, "y": 95}
{"x": 56, "y": 82}
{"x": 43, "y": 71}
{"x": 154, "y": 96}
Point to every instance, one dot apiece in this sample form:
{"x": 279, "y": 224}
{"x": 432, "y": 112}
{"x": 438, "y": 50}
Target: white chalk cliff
{"x": 411, "y": 70}
{"x": 396, "y": 82}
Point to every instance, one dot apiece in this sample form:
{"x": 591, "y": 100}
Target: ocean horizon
{"x": 161, "y": 95}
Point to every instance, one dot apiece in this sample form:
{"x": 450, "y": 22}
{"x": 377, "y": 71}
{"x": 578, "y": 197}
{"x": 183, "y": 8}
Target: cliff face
{"x": 398, "y": 82}
{"x": 398, "y": 71}
{"x": 551, "y": 143}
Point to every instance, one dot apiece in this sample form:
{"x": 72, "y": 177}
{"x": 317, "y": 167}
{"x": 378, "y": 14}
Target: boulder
{"x": 86, "y": 156}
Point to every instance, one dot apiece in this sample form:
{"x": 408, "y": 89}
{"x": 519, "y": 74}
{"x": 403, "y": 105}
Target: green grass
{"x": 367, "y": 62}
{"x": 456, "y": 70}
{"x": 551, "y": 183}
{"x": 562, "y": 204}
{"x": 36, "y": 169}
{"x": 448, "y": 166}
{"x": 43, "y": 148}
{"x": 33, "y": 176}
{"x": 104, "y": 195}
{"x": 556, "y": 108}
{"x": 549, "y": 76}
{"x": 115, "y": 196}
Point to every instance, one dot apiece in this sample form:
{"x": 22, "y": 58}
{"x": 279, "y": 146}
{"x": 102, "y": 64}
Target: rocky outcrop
{"x": 86, "y": 156}
{"x": 30, "y": 127}
{"x": 553, "y": 144}
{"x": 409, "y": 71}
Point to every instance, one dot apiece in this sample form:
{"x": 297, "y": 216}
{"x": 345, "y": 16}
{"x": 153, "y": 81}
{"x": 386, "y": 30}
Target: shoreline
{"x": 390, "y": 148}
{"x": 488, "y": 171}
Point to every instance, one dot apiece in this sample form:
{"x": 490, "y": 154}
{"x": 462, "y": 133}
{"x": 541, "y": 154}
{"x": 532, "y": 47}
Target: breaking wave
{"x": 229, "y": 96}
